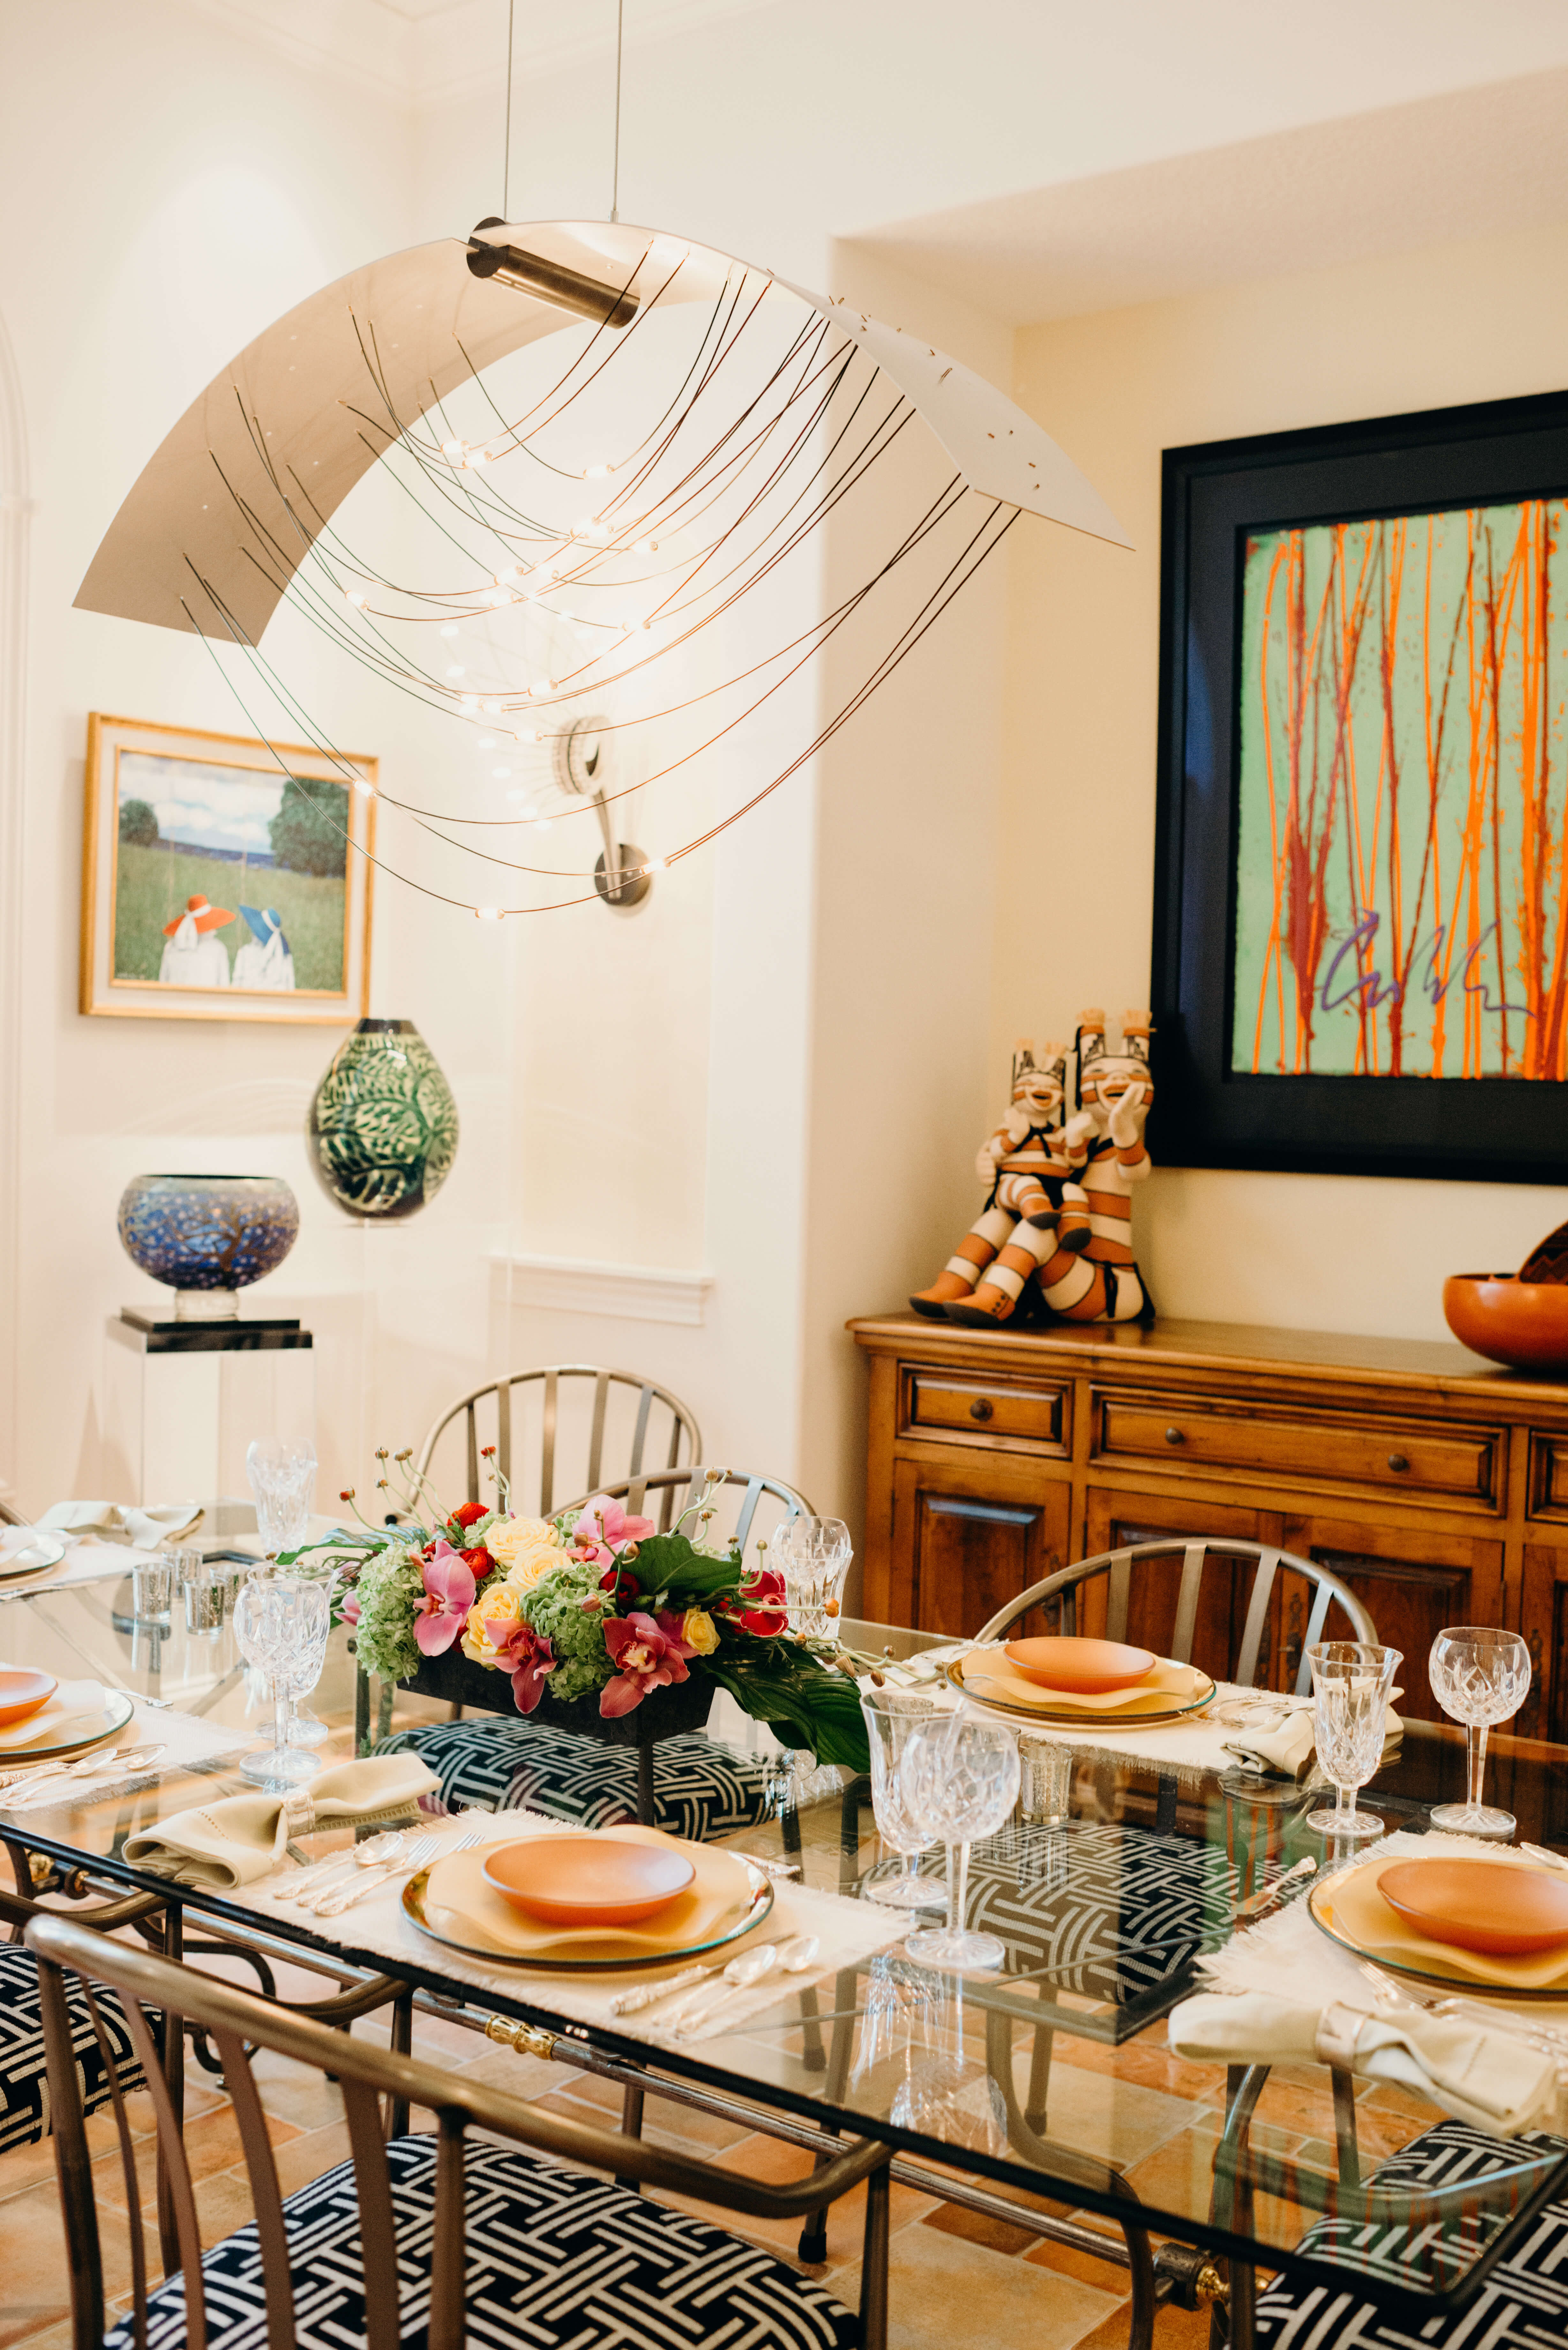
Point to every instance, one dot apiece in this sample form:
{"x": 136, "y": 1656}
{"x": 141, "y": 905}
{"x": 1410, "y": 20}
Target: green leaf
{"x": 801, "y": 1701}
{"x": 668, "y": 1562}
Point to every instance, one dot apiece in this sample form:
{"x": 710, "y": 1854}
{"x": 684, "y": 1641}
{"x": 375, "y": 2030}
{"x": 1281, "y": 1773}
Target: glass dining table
{"x": 1044, "y": 2092}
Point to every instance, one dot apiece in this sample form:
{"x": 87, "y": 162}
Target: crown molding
{"x": 428, "y": 57}
{"x": 576, "y": 1285}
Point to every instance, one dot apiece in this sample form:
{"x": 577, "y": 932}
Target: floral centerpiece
{"x": 588, "y": 1604}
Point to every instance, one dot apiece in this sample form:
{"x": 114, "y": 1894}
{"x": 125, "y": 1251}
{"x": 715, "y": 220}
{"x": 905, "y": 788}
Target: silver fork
{"x": 333, "y": 1904}
{"x": 371, "y": 1853}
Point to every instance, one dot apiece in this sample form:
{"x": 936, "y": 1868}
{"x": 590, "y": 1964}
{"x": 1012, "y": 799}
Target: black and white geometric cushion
{"x": 701, "y": 1789}
{"x": 1109, "y": 1912}
{"x": 1523, "y": 2306}
{"x": 556, "y": 2260}
{"x": 24, "y": 2082}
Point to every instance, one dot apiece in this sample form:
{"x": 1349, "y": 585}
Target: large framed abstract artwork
{"x": 224, "y": 878}
{"x": 1361, "y": 916}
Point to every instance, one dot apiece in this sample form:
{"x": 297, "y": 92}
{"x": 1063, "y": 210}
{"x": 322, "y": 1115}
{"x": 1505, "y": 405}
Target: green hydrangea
{"x": 555, "y": 1609}
{"x": 390, "y": 1588}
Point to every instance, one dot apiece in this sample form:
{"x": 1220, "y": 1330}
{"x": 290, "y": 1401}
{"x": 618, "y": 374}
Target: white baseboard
{"x": 629, "y": 1292}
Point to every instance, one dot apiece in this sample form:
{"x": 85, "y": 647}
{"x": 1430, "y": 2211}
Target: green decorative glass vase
{"x": 383, "y": 1125}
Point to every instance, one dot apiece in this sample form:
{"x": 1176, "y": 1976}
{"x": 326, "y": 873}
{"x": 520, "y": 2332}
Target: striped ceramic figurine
{"x": 1103, "y": 1284}
{"x": 1035, "y": 1211}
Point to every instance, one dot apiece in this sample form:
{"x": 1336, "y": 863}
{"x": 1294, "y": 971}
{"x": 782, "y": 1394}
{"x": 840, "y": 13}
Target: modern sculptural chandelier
{"x": 605, "y": 568}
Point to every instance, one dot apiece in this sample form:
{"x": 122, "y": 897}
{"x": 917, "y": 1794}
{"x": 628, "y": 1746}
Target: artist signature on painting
{"x": 1374, "y": 989}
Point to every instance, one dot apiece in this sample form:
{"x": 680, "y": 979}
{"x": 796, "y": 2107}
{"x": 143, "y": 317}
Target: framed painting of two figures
{"x": 224, "y": 878}
{"x": 1361, "y": 916}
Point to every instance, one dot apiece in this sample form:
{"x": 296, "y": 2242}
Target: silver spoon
{"x": 90, "y": 1766}
{"x": 343, "y": 1897}
{"x": 791, "y": 1957}
{"x": 369, "y": 1854}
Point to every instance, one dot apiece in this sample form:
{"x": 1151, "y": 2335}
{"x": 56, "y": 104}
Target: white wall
{"x": 1480, "y": 320}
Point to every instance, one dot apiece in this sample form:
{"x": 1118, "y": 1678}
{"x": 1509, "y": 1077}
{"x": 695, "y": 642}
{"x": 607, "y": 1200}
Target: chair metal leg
{"x": 361, "y": 1709}
{"x": 645, "y": 1786}
{"x": 173, "y": 2051}
{"x": 402, "y": 2045}
{"x": 630, "y": 2126}
{"x": 1039, "y": 2078}
{"x": 384, "y": 1710}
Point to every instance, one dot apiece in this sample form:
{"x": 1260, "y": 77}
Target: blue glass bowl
{"x": 208, "y": 1231}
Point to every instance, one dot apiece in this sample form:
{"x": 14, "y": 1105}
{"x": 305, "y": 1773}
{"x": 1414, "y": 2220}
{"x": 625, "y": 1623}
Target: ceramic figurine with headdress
{"x": 1115, "y": 1090}
{"x": 265, "y": 959}
{"x": 195, "y": 956}
{"x": 1036, "y": 1207}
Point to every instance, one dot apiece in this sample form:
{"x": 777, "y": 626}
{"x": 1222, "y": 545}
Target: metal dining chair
{"x": 1059, "y": 1594}
{"x": 587, "y": 1423}
{"x": 408, "y": 2242}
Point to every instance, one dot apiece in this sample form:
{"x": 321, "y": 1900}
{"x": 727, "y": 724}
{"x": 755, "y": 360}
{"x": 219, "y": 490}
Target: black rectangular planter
{"x": 663, "y": 1714}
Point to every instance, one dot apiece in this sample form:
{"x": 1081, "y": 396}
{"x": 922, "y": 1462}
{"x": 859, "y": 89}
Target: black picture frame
{"x": 1497, "y": 1129}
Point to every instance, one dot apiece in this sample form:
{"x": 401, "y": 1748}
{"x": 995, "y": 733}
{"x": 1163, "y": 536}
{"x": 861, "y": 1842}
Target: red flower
{"x": 527, "y": 1656}
{"x": 478, "y": 1562}
{"x": 765, "y": 1612}
{"x": 470, "y": 1513}
{"x": 647, "y": 1659}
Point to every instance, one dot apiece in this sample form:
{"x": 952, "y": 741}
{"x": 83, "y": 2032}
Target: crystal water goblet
{"x": 890, "y": 1716}
{"x": 282, "y": 1476}
{"x": 1481, "y": 1676}
{"x": 959, "y": 1777}
{"x": 281, "y": 1623}
{"x": 1351, "y": 1680}
{"x": 812, "y": 1554}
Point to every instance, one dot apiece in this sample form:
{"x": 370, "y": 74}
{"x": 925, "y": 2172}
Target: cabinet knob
{"x": 981, "y": 1408}
{"x": 1174, "y": 1436}
{"x": 1398, "y": 1463}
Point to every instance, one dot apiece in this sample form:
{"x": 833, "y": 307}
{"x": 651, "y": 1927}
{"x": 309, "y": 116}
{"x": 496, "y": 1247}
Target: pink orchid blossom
{"x": 525, "y": 1656}
{"x": 440, "y": 1615}
{"x": 647, "y": 1659}
{"x": 765, "y": 1612}
{"x": 603, "y": 1530}
{"x": 351, "y": 1609}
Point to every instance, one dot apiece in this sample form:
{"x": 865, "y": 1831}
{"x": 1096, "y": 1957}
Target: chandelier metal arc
{"x": 775, "y": 418}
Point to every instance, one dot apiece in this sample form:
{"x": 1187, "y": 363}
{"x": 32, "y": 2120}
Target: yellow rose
{"x": 506, "y": 1538}
{"x": 699, "y": 1631}
{"x": 496, "y": 1604}
{"x": 535, "y": 1560}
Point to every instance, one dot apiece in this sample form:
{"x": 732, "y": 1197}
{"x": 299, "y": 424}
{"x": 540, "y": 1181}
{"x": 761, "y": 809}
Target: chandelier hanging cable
{"x": 622, "y": 471}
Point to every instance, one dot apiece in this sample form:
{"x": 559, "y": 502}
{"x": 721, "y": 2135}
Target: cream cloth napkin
{"x": 1352, "y": 1906}
{"x": 459, "y": 1902}
{"x": 146, "y": 1528}
{"x": 989, "y": 1674}
{"x": 219, "y": 1845}
{"x": 75, "y": 1704}
{"x": 1489, "y": 2079}
{"x": 1288, "y": 1747}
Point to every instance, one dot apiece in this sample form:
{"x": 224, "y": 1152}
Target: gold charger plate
{"x": 1082, "y": 1717}
{"x": 1423, "y": 1967}
{"x": 759, "y": 1901}
{"x": 118, "y": 1709}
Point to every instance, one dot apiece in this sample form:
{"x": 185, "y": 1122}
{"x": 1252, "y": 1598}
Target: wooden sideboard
{"x": 1433, "y": 1485}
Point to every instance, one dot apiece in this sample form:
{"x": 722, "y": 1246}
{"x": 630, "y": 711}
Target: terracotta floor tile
{"x": 980, "y": 2228}
{"x": 1067, "y": 2259}
{"x": 305, "y": 2159}
{"x": 33, "y": 2291}
{"x": 1105, "y": 2118}
{"x": 1174, "y": 2329}
{"x": 520, "y": 2076}
{"x": 943, "y": 2291}
{"x": 222, "y": 2204}
{"x": 770, "y": 2160}
{"x": 294, "y": 2093}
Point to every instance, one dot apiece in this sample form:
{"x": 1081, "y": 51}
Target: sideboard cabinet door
{"x": 970, "y": 1535}
{"x": 1411, "y": 1581}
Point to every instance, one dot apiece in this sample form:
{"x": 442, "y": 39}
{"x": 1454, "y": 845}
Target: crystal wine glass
{"x": 812, "y": 1554}
{"x": 959, "y": 1778}
{"x": 1479, "y": 1677}
{"x": 281, "y": 1623}
{"x": 890, "y": 1715}
{"x": 283, "y": 1479}
{"x": 1351, "y": 1680}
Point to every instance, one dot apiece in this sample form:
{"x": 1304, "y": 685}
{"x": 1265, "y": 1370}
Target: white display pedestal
{"x": 183, "y": 1399}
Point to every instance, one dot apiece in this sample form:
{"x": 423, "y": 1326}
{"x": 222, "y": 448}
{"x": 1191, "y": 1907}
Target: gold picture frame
{"x": 183, "y": 829}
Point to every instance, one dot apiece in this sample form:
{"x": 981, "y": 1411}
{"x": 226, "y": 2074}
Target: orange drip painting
{"x": 1402, "y": 861}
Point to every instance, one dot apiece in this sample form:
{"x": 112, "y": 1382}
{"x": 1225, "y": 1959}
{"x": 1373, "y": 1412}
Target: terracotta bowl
{"x": 1480, "y": 1904}
{"x": 1522, "y": 1323}
{"x": 586, "y": 1880}
{"x": 1082, "y": 1668}
{"x": 22, "y": 1694}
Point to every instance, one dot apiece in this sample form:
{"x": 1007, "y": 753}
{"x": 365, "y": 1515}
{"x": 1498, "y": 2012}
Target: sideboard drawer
{"x": 1393, "y": 1455}
{"x": 1032, "y": 1413}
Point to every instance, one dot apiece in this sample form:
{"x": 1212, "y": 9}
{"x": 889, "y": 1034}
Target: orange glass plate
{"x": 586, "y": 1880}
{"x": 22, "y": 1694}
{"x": 1480, "y": 1905}
{"x": 1081, "y": 1668}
